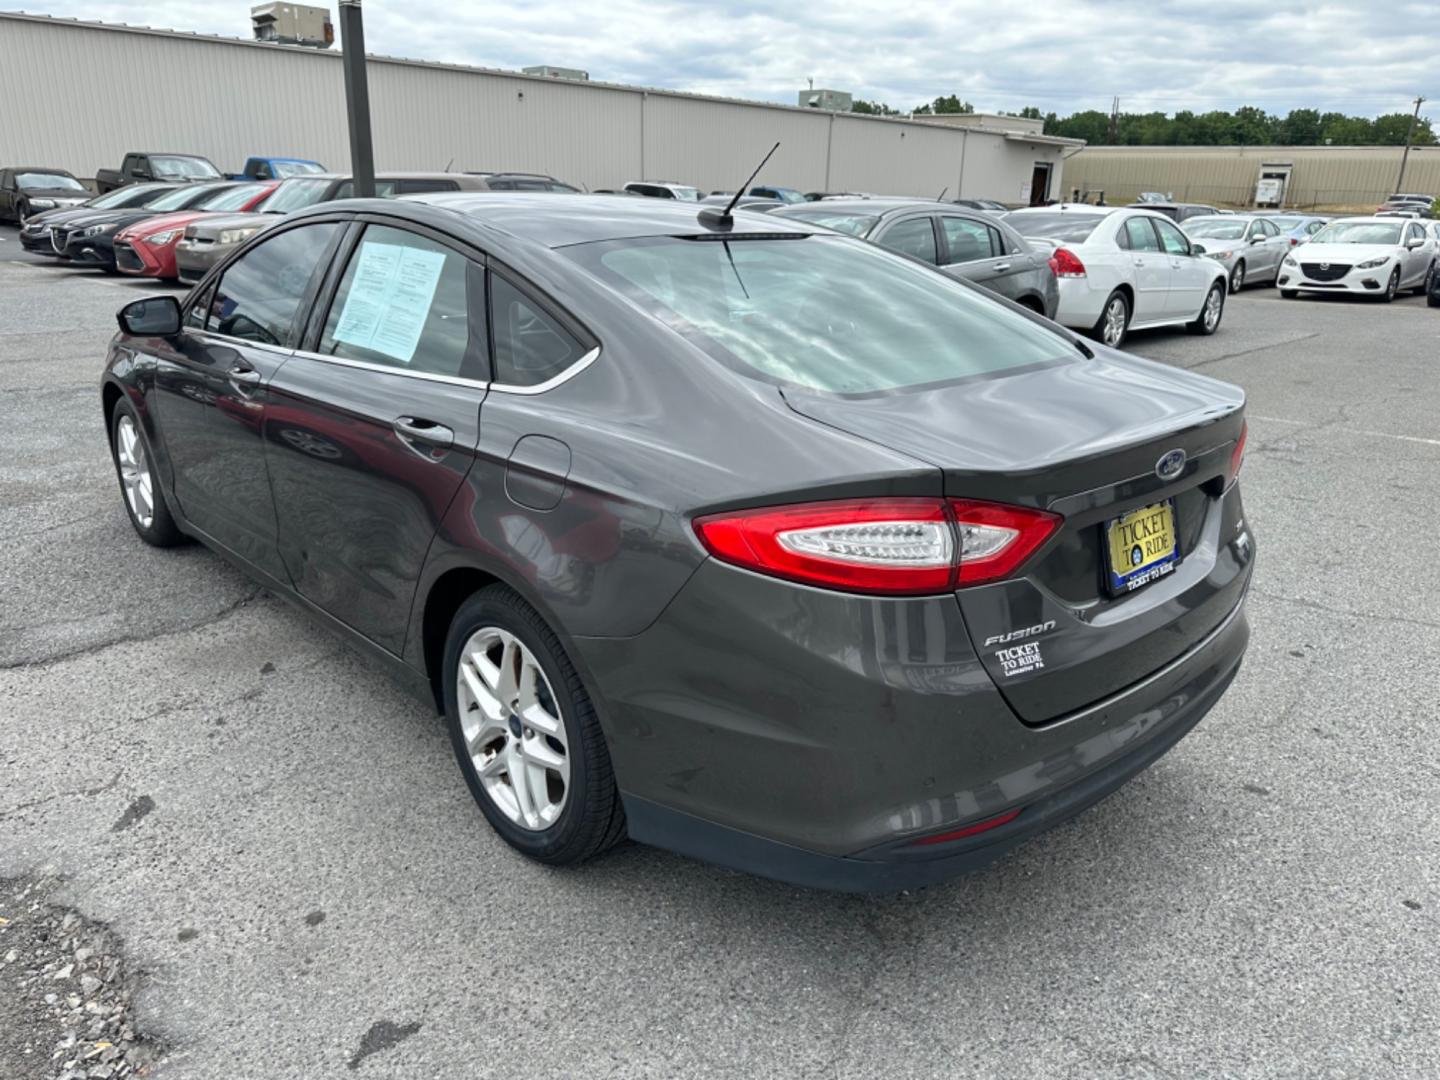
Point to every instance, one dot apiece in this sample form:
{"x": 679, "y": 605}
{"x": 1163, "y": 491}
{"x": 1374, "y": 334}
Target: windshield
{"x": 853, "y": 224}
{"x": 1359, "y": 232}
{"x": 1216, "y": 228}
{"x": 233, "y": 198}
{"x": 182, "y": 198}
{"x": 182, "y": 168}
{"x": 294, "y": 195}
{"x": 40, "y": 181}
{"x": 821, "y": 312}
{"x": 1066, "y": 228}
{"x": 295, "y": 168}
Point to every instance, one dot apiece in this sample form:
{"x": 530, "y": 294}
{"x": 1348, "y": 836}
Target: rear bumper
{"x": 1148, "y": 734}
{"x": 1079, "y": 304}
{"x": 194, "y": 260}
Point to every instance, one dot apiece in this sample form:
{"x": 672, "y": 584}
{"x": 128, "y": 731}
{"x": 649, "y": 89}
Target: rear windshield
{"x": 1216, "y": 228}
{"x": 822, "y": 312}
{"x": 232, "y": 198}
{"x": 181, "y": 168}
{"x": 1066, "y": 228}
{"x": 1359, "y": 232}
{"x": 854, "y": 224}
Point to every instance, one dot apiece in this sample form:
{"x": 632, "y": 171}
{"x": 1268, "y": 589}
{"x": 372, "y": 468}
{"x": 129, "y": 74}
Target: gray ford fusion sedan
{"x": 732, "y": 535}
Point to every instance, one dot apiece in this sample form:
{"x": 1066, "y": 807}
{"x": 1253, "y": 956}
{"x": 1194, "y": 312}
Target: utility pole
{"x": 1114, "y": 132}
{"x": 357, "y": 98}
{"x": 1409, "y": 137}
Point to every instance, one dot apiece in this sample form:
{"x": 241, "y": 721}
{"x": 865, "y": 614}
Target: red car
{"x": 147, "y": 248}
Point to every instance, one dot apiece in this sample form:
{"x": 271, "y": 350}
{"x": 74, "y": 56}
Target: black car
{"x": 89, "y": 239}
{"x": 1178, "y": 211}
{"x": 29, "y": 189}
{"x": 35, "y": 233}
{"x": 737, "y": 536}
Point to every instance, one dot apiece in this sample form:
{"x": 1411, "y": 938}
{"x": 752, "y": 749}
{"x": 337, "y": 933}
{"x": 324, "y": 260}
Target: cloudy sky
{"x": 1355, "y": 56}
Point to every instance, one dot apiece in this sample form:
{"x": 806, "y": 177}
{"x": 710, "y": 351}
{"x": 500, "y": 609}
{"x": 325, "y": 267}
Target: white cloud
{"x": 1351, "y": 56}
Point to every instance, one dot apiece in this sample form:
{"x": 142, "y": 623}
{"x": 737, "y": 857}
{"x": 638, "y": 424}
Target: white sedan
{"x": 1123, "y": 269}
{"x": 1373, "y": 256}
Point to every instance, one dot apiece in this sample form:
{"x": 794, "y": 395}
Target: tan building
{"x": 1318, "y": 177}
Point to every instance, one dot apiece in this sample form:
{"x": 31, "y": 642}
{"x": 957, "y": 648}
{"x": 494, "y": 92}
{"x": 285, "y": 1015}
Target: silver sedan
{"x": 1249, "y": 247}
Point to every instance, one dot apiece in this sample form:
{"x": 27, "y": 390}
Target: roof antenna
{"x": 449, "y": 163}
{"x": 725, "y": 217}
{"x": 941, "y": 196}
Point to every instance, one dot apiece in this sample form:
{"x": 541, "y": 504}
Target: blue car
{"x": 276, "y": 168}
{"x": 1297, "y": 227}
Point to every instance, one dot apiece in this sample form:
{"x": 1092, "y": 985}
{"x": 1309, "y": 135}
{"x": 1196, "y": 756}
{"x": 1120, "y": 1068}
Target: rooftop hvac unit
{"x": 293, "y": 24}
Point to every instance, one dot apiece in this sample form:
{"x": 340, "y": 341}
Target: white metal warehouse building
{"x": 79, "y": 95}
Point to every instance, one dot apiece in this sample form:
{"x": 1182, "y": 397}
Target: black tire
{"x": 593, "y": 818}
{"x": 1424, "y": 287}
{"x": 1237, "y": 277}
{"x": 22, "y": 211}
{"x": 1289, "y": 294}
{"x": 1433, "y": 300}
{"x": 161, "y": 530}
{"x": 1217, "y": 293}
{"x": 1098, "y": 330}
{"x": 1391, "y": 287}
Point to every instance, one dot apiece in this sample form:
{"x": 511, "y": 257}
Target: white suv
{"x": 1124, "y": 268}
{"x": 663, "y": 189}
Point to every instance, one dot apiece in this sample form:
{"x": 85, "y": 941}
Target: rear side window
{"x": 261, "y": 292}
{"x": 531, "y": 346}
{"x": 415, "y": 187}
{"x": 1140, "y": 235}
{"x": 915, "y": 237}
{"x": 967, "y": 241}
{"x": 403, "y": 303}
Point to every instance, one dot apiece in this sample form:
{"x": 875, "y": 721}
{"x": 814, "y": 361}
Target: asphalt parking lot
{"x": 304, "y": 887}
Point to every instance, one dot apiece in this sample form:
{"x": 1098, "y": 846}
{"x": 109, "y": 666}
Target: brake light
{"x": 969, "y": 830}
{"x": 1067, "y": 264}
{"x": 1237, "y": 456}
{"x": 896, "y": 547}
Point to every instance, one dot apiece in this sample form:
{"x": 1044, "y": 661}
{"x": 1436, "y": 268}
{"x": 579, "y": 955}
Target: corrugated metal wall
{"x": 79, "y": 96}
{"x": 1321, "y": 176}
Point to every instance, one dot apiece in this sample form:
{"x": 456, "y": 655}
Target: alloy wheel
{"x": 513, "y": 729}
{"x": 134, "y": 471}
{"x": 1237, "y": 278}
{"x": 1213, "y": 304}
{"x": 1393, "y": 286}
{"x": 1114, "y": 331}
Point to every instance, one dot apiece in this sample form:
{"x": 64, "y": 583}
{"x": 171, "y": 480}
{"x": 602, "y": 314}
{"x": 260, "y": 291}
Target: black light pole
{"x": 357, "y": 98}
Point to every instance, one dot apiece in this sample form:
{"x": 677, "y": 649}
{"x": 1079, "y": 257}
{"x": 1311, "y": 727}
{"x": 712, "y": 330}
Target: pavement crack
{"x": 1246, "y": 352}
{"x": 1316, "y": 605}
{"x": 88, "y": 792}
{"x": 168, "y": 631}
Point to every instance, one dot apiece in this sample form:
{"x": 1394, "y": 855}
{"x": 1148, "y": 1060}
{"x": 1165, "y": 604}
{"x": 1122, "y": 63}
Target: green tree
{"x": 1337, "y": 129}
{"x": 1301, "y": 127}
{"x": 873, "y": 108}
{"x": 1030, "y": 112}
{"x": 1090, "y": 125}
{"x": 1390, "y": 130}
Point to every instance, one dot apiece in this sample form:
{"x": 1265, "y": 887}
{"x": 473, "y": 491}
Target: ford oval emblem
{"x": 1171, "y": 465}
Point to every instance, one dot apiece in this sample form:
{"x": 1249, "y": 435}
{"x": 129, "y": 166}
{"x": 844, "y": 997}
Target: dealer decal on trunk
{"x": 1022, "y": 658}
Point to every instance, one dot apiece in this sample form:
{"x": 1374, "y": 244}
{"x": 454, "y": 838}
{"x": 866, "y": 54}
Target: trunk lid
{"x": 1083, "y": 439}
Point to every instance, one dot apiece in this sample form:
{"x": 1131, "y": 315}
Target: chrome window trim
{"x": 552, "y": 382}
{"x": 386, "y": 369}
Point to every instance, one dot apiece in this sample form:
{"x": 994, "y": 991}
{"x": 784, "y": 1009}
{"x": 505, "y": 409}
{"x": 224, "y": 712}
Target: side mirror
{"x": 1197, "y": 249}
{"x": 155, "y": 316}
{"x": 1414, "y": 242}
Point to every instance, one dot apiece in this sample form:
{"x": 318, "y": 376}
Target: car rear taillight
{"x": 969, "y": 830}
{"x": 1066, "y": 263}
{"x": 1237, "y": 456}
{"x": 896, "y": 547}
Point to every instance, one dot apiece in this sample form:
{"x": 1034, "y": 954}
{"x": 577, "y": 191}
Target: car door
{"x": 1190, "y": 275}
{"x": 913, "y": 235}
{"x": 1417, "y": 258}
{"x": 969, "y": 250}
{"x": 373, "y": 424}
{"x": 7, "y": 195}
{"x": 212, "y": 387}
{"x": 1149, "y": 268}
{"x": 1271, "y": 247}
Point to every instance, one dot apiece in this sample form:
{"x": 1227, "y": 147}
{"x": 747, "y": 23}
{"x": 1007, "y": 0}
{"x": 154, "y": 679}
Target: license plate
{"x": 1141, "y": 546}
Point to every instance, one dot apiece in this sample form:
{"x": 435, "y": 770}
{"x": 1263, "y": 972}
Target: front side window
{"x": 531, "y": 347}
{"x": 1172, "y": 238}
{"x": 915, "y": 238}
{"x": 262, "y": 291}
{"x": 820, "y": 312}
{"x": 1140, "y": 235}
{"x": 967, "y": 241}
{"x": 403, "y": 303}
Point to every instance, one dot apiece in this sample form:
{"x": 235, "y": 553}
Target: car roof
{"x": 39, "y": 169}
{"x": 874, "y": 207}
{"x": 556, "y": 219}
{"x": 1085, "y": 208}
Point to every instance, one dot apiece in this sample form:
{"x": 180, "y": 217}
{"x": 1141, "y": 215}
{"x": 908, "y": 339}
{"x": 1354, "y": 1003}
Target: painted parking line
{"x": 1348, "y": 431}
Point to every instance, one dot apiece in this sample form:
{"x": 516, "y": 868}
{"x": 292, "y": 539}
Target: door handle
{"x": 413, "y": 429}
{"x": 1139, "y": 262}
{"x": 245, "y": 376}
{"x": 1000, "y": 268}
